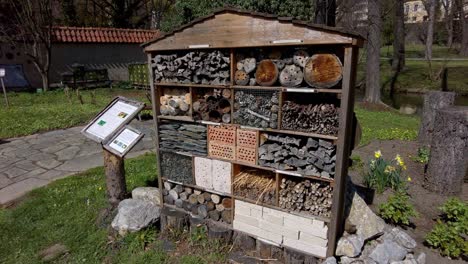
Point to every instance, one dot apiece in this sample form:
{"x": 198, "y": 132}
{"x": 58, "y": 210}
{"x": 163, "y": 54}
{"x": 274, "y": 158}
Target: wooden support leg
{"x": 115, "y": 178}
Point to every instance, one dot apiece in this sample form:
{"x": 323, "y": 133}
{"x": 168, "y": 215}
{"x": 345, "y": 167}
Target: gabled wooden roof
{"x": 234, "y": 28}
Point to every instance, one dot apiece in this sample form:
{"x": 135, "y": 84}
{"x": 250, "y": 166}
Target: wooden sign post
{"x": 2, "y": 74}
{"x": 110, "y": 129}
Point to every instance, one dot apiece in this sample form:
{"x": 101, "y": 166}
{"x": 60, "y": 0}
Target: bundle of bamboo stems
{"x": 255, "y": 185}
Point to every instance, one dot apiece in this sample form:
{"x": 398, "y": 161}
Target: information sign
{"x": 123, "y": 141}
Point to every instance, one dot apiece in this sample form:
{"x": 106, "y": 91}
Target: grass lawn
{"x": 31, "y": 113}
{"x": 415, "y": 77}
{"x": 67, "y": 212}
{"x": 417, "y": 51}
{"x": 386, "y": 125}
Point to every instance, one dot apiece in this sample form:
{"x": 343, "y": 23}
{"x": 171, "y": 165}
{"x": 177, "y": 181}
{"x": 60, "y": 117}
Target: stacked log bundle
{"x": 175, "y": 102}
{"x": 199, "y": 67}
{"x": 306, "y": 196}
{"x": 256, "y": 108}
{"x": 315, "y": 118}
{"x": 256, "y": 185}
{"x": 213, "y": 105}
{"x": 183, "y": 137}
{"x": 290, "y": 68}
{"x": 198, "y": 203}
{"x": 176, "y": 167}
{"x": 303, "y": 155}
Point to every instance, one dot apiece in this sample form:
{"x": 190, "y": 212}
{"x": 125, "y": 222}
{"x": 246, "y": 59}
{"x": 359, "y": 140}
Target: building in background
{"x": 95, "y": 48}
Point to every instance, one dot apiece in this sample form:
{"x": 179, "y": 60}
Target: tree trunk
{"x": 325, "y": 12}
{"x": 45, "y": 82}
{"x": 433, "y": 101}
{"x": 449, "y": 151}
{"x": 430, "y": 29}
{"x": 373, "y": 52}
{"x": 399, "y": 36}
{"x": 115, "y": 177}
{"x": 464, "y": 24}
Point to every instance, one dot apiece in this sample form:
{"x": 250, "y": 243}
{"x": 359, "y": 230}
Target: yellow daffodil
{"x": 378, "y": 154}
{"x": 100, "y": 188}
{"x": 400, "y": 161}
{"x": 389, "y": 169}
{"x": 409, "y": 179}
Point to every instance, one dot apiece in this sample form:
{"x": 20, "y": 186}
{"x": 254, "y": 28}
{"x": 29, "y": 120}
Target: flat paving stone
{"x": 4, "y": 181}
{"x": 18, "y": 189}
{"x": 49, "y": 164}
{"x": 67, "y": 153}
{"x": 26, "y": 165}
{"x": 82, "y": 163}
{"x": 33, "y": 161}
{"x": 53, "y": 175}
{"x": 14, "y": 172}
{"x": 41, "y": 156}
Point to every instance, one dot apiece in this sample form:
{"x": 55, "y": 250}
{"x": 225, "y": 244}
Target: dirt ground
{"x": 425, "y": 202}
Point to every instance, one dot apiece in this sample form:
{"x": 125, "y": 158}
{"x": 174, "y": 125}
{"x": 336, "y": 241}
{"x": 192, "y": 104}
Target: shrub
{"x": 383, "y": 174}
{"x": 450, "y": 232}
{"x": 397, "y": 210}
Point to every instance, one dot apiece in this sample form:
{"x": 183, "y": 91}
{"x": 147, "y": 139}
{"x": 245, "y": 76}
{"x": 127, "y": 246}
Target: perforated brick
{"x": 220, "y": 151}
{"x": 246, "y": 155}
{"x": 247, "y": 138}
{"x": 223, "y": 135}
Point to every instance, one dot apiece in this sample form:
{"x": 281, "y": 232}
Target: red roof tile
{"x": 106, "y": 35}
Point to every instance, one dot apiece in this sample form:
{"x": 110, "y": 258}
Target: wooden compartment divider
{"x": 238, "y": 144}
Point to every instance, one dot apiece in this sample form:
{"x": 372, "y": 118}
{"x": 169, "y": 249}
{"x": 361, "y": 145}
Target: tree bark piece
{"x": 267, "y": 73}
{"x": 115, "y": 177}
{"x": 433, "y": 101}
{"x": 449, "y": 151}
{"x": 323, "y": 70}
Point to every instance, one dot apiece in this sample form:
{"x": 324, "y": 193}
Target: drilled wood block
{"x": 221, "y": 173}
{"x": 225, "y": 135}
{"x": 203, "y": 172}
{"x": 221, "y": 151}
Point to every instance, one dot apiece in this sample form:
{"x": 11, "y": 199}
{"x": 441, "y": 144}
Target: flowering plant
{"x": 383, "y": 174}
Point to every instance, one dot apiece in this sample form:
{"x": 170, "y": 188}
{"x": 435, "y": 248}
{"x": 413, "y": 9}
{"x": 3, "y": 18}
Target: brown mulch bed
{"x": 425, "y": 202}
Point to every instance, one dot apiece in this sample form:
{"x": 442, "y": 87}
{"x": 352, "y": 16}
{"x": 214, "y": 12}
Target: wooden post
{"x": 115, "y": 177}
{"x": 343, "y": 148}
{"x": 5, "y": 93}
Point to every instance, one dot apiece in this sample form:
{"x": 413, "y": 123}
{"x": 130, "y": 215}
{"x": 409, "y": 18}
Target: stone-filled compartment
{"x": 183, "y": 137}
{"x": 176, "y": 167}
{"x": 304, "y": 155}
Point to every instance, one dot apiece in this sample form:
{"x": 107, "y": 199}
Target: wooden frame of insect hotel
{"x": 254, "y": 124}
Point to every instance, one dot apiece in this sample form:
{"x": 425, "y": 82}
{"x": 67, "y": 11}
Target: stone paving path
{"x": 33, "y": 161}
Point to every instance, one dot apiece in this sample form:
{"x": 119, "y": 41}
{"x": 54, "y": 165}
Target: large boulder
{"x": 367, "y": 223}
{"x": 388, "y": 251}
{"x": 400, "y": 237}
{"x": 150, "y": 194}
{"x": 134, "y": 214}
{"x": 350, "y": 246}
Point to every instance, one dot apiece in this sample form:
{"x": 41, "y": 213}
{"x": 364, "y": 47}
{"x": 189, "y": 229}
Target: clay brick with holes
{"x": 221, "y": 151}
{"x": 246, "y": 155}
{"x": 223, "y": 135}
{"x": 247, "y": 138}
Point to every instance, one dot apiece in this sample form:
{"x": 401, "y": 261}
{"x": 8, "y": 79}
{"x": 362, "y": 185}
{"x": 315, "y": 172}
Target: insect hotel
{"x": 254, "y": 121}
